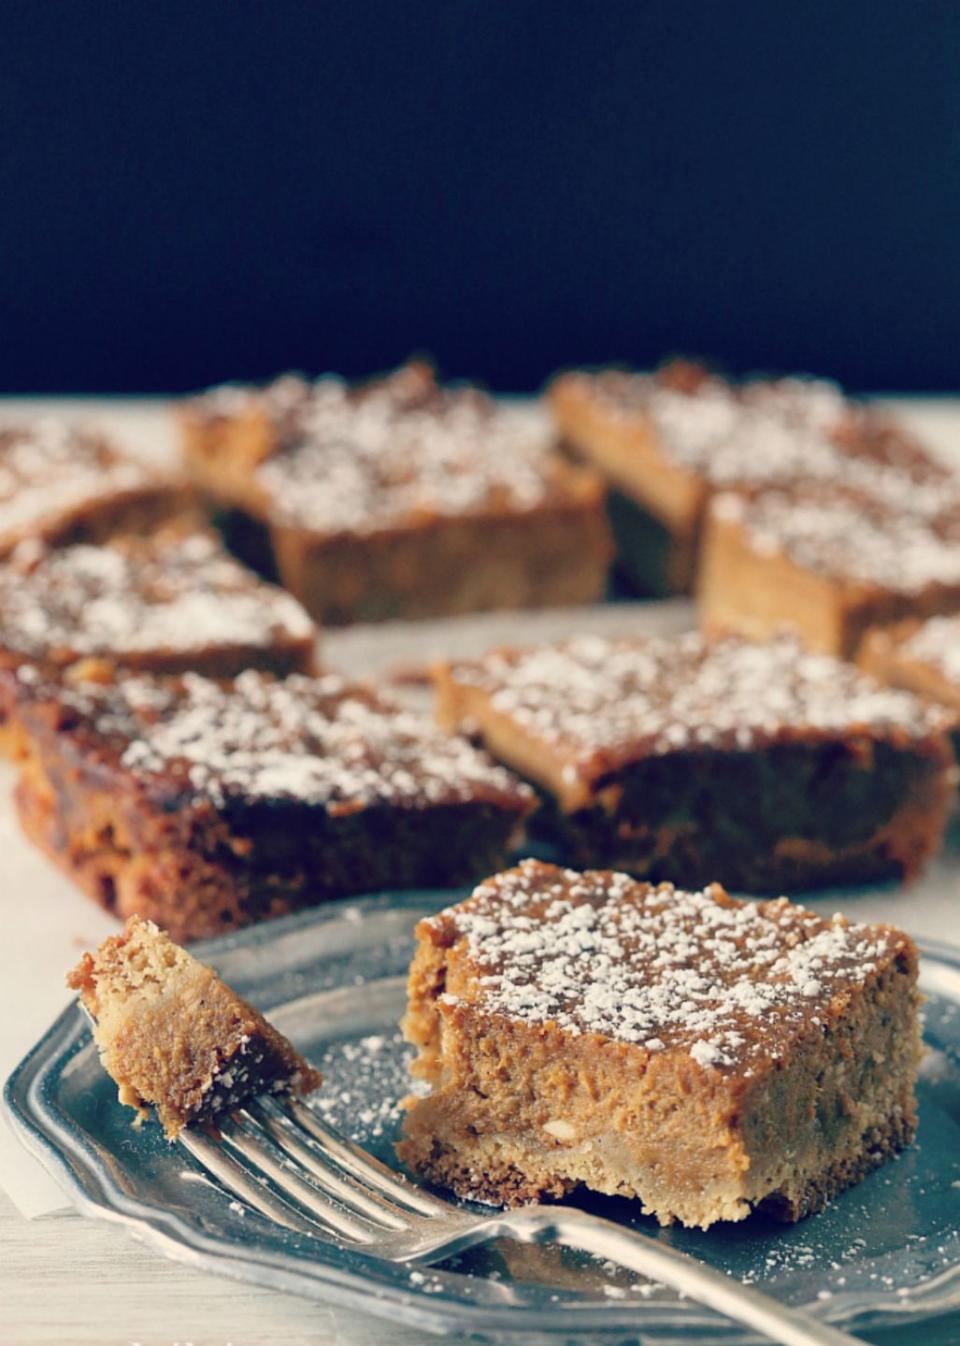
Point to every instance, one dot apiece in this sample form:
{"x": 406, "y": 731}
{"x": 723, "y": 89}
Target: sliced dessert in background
{"x": 706, "y": 1056}
{"x": 173, "y": 1036}
{"x": 399, "y": 497}
{"x": 681, "y": 759}
{"x": 172, "y": 602}
{"x": 830, "y": 562}
{"x": 61, "y": 483}
{"x": 206, "y": 805}
{"x": 667, "y": 441}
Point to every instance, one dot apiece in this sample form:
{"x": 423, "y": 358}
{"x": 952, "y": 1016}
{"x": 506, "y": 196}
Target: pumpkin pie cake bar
{"x": 168, "y": 603}
{"x": 60, "y": 483}
{"x": 400, "y": 497}
{"x": 205, "y": 805}
{"x": 706, "y": 1056}
{"x": 668, "y": 441}
{"x": 682, "y": 759}
{"x": 172, "y": 1035}
{"x": 833, "y": 563}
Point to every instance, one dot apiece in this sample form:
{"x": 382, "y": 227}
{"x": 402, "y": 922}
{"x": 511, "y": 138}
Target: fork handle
{"x": 591, "y": 1234}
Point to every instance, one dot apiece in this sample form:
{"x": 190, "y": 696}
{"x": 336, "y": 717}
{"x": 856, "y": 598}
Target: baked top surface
{"x": 729, "y": 982}
{"x": 169, "y": 592}
{"x": 399, "y": 450}
{"x": 602, "y": 703}
{"x": 316, "y": 741}
{"x": 770, "y": 431}
{"x": 844, "y": 534}
{"x": 49, "y": 468}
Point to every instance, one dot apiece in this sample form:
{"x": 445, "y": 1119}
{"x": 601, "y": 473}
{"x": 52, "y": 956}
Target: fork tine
{"x": 259, "y": 1151}
{"x": 359, "y": 1164}
{"x": 238, "y": 1180}
{"x": 346, "y": 1190}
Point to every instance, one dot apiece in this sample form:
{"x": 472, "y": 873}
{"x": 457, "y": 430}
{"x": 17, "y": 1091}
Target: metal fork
{"x": 276, "y": 1155}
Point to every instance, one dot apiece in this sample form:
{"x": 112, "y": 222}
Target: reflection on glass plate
{"x": 887, "y": 1251}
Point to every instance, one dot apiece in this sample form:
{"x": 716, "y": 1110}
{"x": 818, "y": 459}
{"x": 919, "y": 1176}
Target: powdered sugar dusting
{"x": 636, "y": 697}
{"x": 48, "y": 469}
{"x": 318, "y": 740}
{"x": 169, "y": 592}
{"x": 767, "y": 433}
{"x": 599, "y": 952}
{"x": 900, "y": 545}
{"x": 398, "y": 450}
{"x": 937, "y": 643}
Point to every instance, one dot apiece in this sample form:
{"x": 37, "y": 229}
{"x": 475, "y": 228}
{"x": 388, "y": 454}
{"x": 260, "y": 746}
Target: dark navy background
{"x": 196, "y": 191}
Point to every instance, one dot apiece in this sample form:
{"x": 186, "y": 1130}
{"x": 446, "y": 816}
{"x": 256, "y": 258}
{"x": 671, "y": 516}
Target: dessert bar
{"x": 168, "y": 603}
{"x": 172, "y": 1035}
{"x": 400, "y": 497}
{"x": 667, "y": 441}
{"x": 205, "y": 805}
{"x": 705, "y": 1056}
{"x": 831, "y": 563}
{"x": 60, "y": 484}
{"x": 682, "y": 759}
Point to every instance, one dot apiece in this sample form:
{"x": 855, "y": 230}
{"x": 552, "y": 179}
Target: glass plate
{"x": 333, "y": 979}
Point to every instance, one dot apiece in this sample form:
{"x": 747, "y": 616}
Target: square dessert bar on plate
{"x": 172, "y": 1034}
{"x": 171, "y": 602}
{"x": 706, "y": 1056}
{"x": 683, "y": 759}
{"x": 832, "y": 563}
{"x": 206, "y": 805}
{"x": 400, "y": 497}
{"x": 668, "y": 440}
{"x": 59, "y": 484}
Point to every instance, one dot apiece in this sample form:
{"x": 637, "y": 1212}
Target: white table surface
{"x": 64, "y": 1279}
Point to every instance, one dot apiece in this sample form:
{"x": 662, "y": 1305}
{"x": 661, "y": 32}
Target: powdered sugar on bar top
{"x": 846, "y": 536}
{"x": 317, "y": 740}
{"x": 774, "y": 432}
{"x": 601, "y": 953}
{"x": 937, "y": 643}
{"x": 170, "y": 593}
{"x": 395, "y": 451}
{"x": 629, "y": 698}
{"x": 49, "y": 468}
